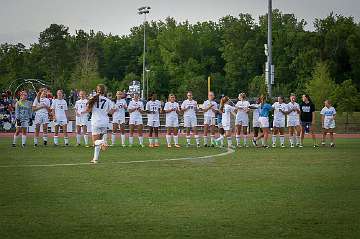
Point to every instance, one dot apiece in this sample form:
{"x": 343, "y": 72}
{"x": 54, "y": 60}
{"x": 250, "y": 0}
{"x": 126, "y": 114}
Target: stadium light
{"x": 143, "y": 11}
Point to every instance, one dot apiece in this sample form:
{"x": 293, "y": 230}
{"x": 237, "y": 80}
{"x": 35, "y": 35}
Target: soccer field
{"x": 251, "y": 193}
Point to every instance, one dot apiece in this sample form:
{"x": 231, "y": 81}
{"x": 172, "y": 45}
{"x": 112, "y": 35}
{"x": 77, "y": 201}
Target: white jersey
{"x": 80, "y": 106}
{"x": 119, "y": 109}
{"x": 242, "y": 107}
{"x": 100, "y": 110}
{"x": 293, "y": 106}
{"x": 42, "y": 102}
{"x": 278, "y": 115}
{"x": 59, "y": 106}
{"x": 136, "y": 105}
{"x": 226, "y": 115}
{"x": 153, "y": 108}
{"x": 191, "y": 106}
{"x": 173, "y": 114}
{"x": 210, "y": 112}
{"x": 328, "y": 113}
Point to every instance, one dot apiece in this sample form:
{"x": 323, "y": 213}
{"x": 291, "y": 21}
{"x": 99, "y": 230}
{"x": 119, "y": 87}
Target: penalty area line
{"x": 229, "y": 151}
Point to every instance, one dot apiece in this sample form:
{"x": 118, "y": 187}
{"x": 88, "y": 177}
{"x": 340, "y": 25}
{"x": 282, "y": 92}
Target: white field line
{"x": 229, "y": 151}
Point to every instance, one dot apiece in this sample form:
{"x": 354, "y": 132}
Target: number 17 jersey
{"x": 100, "y": 110}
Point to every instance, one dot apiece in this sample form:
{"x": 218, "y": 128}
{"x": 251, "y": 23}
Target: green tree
{"x": 346, "y": 97}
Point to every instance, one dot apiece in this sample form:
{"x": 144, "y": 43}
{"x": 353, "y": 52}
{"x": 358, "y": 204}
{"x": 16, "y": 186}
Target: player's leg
{"x": 188, "y": 140}
{"x": 298, "y": 132}
{"x": 156, "y": 140}
{"x": 140, "y": 133}
{"x": 66, "y": 138}
{"x": 206, "y": 131}
{"x": 274, "y": 135}
{"x": 291, "y": 136}
{"x": 36, "y": 136}
{"x": 16, "y": 135}
{"x": 78, "y": 135}
{"x": 122, "y": 134}
{"x": 266, "y": 136}
{"x": 196, "y": 136}
{"x": 98, "y": 142}
{"x": 302, "y": 134}
{"x": 151, "y": 140}
{"x": 282, "y": 137}
{"x": 56, "y": 135}
{"x": 313, "y": 136}
{"x": 212, "y": 135}
{"x": 131, "y": 134}
{"x": 23, "y": 136}
{"x": 238, "y": 128}
{"x": 176, "y": 137}
{"x": 45, "y": 133}
{"x": 228, "y": 134}
{"x": 86, "y": 135}
{"x": 245, "y": 134}
{"x": 115, "y": 127}
{"x": 332, "y": 142}
{"x": 168, "y": 136}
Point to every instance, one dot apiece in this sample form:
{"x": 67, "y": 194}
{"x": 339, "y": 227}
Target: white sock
{"x": 237, "y": 139}
{"x": 262, "y": 141}
{"x": 206, "y": 140}
{"x": 273, "y": 139}
{"x": 156, "y": 141}
{"x": 56, "y": 140}
{"x": 150, "y": 140}
{"x": 212, "y": 139}
{"x": 66, "y": 140}
{"x": 86, "y": 139}
{"x": 188, "y": 139}
{"x": 123, "y": 139}
{"x": 36, "y": 140}
{"x": 297, "y": 139}
{"x": 291, "y": 140}
{"x": 176, "y": 139}
{"x": 197, "y": 139}
{"x": 131, "y": 140}
{"x": 229, "y": 141}
{"x": 97, "y": 148}
{"x": 168, "y": 139}
{"x": 45, "y": 138}
{"x": 23, "y": 139}
{"x": 141, "y": 139}
{"x": 282, "y": 139}
{"x": 78, "y": 138}
{"x": 245, "y": 139}
{"x": 15, "y": 138}
{"x": 221, "y": 139}
{"x": 113, "y": 138}
{"x": 105, "y": 138}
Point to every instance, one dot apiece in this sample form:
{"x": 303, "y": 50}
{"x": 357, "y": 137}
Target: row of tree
{"x": 324, "y": 62}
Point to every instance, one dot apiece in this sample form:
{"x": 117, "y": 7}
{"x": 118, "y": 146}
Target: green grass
{"x": 253, "y": 193}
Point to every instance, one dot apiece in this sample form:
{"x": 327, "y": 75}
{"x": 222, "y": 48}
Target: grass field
{"x": 252, "y": 193}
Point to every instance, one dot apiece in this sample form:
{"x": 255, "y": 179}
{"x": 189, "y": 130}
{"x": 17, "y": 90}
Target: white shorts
{"x": 209, "y": 120}
{"x": 293, "y": 122}
{"x": 95, "y": 130}
{"x": 329, "y": 124}
{"x": 226, "y": 127}
{"x": 242, "y": 120}
{"x": 41, "y": 119}
{"x": 60, "y": 121}
{"x": 154, "y": 123}
{"x": 172, "y": 123}
{"x": 118, "y": 120}
{"x": 279, "y": 123}
{"x": 23, "y": 124}
{"x": 135, "y": 121}
{"x": 264, "y": 122}
{"x": 82, "y": 120}
{"x": 190, "y": 122}
{"x": 256, "y": 124}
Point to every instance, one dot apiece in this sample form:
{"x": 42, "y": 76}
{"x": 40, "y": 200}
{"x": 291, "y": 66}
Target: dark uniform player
{"x": 307, "y": 118}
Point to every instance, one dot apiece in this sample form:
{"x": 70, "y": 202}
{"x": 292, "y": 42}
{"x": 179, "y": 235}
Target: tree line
{"x": 180, "y": 56}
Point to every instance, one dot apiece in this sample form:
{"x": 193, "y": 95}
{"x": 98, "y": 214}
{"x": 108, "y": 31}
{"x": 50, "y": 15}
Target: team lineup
{"x": 217, "y": 126}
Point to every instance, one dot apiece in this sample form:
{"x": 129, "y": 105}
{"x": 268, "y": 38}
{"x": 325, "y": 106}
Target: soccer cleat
{"x": 188, "y": 145}
{"x": 177, "y": 146}
{"x": 142, "y": 146}
{"x": 35, "y": 145}
{"x": 45, "y": 142}
{"x": 254, "y": 143}
{"x": 87, "y": 146}
{"x": 198, "y": 146}
{"x": 332, "y": 145}
{"x": 66, "y": 145}
{"x": 55, "y": 145}
{"x": 322, "y": 143}
{"x": 78, "y": 145}
{"x": 111, "y": 145}
{"x": 316, "y": 146}
{"x": 93, "y": 161}
{"x": 246, "y": 146}
{"x": 265, "y": 146}
{"x": 274, "y": 145}
{"x": 205, "y": 145}
{"x": 292, "y": 146}
{"x": 282, "y": 146}
{"x": 156, "y": 145}
{"x": 169, "y": 146}
{"x": 123, "y": 145}
{"x": 238, "y": 146}
{"x": 151, "y": 146}
{"x": 300, "y": 146}
{"x": 212, "y": 145}
{"x": 23, "y": 145}
{"x": 13, "y": 145}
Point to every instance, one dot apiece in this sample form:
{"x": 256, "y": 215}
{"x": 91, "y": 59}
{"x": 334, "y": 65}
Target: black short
{"x": 306, "y": 126}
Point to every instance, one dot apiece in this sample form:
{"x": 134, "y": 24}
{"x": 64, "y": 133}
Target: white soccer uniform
{"x": 242, "y": 116}
{"x": 256, "y": 115}
{"x": 279, "y": 117}
{"x": 293, "y": 117}
{"x": 190, "y": 119}
{"x": 328, "y": 113}
{"x": 119, "y": 114}
{"x": 172, "y": 119}
{"x": 99, "y": 117}
{"x": 80, "y": 107}
{"x": 59, "y": 106}
{"x": 153, "y": 107}
{"x": 226, "y": 116}
{"x": 135, "y": 116}
{"x": 42, "y": 115}
{"x": 209, "y": 116}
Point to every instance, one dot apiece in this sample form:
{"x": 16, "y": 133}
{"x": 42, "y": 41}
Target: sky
{"x": 23, "y": 20}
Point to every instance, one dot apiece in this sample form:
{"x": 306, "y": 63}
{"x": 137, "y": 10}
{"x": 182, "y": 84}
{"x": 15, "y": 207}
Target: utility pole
{"x": 269, "y": 49}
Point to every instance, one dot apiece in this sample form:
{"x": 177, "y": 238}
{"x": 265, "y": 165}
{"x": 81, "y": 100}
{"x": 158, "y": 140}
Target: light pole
{"x": 269, "y": 49}
{"x": 147, "y": 83}
{"x": 144, "y": 10}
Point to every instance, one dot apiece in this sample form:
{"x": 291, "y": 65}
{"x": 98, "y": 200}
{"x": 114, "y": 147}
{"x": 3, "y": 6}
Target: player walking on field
{"x": 242, "y": 119}
{"x": 82, "y": 118}
{"x": 118, "y": 119}
{"x": 264, "y": 122}
{"x": 328, "y": 115}
{"x": 59, "y": 110}
{"x": 41, "y": 107}
{"x": 210, "y": 108}
{"x": 293, "y": 121}
{"x": 23, "y": 114}
{"x": 280, "y": 109}
{"x": 255, "y": 119}
{"x": 189, "y": 107}
{"x": 100, "y": 107}
{"x": 172, "y": 110}
{"x": 307, "y": 118}
{"x": 227, "y": 110}
{"x": 136, "y": 108}
{"x": 153, "y": 108}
